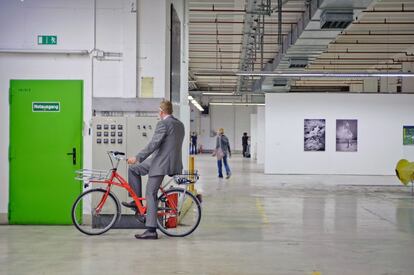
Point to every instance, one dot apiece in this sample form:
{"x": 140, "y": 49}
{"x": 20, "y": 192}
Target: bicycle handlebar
{"x": 116, "y": 154}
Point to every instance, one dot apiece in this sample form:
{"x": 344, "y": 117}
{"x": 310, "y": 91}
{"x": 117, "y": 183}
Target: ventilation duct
{"x": 298, "y": 62}
{"x": 280, "y": 82}
{"x": 336, "y": 19}
{"x": 278, "y": 85}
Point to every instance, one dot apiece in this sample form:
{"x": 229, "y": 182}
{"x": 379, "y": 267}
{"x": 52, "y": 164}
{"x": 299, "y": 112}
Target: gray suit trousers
{"x": 151, "y": 193}
{"x": 135, "y": 172}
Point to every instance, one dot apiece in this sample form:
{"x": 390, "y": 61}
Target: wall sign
{"x": 46, "y": 40}
{"x": 408, "y": 135}
{"x": 45, "y": 106}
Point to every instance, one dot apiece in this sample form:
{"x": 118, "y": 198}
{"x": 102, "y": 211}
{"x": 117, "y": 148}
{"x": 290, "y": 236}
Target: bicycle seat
{"x": 183, "y": 180}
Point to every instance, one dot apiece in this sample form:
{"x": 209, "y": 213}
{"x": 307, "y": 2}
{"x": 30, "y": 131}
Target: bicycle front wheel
{"x": 95, "y": 211}
{"x": 179, "y": 212}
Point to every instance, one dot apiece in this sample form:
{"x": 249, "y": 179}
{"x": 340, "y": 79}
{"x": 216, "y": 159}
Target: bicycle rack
{"x": 87, "y": 175}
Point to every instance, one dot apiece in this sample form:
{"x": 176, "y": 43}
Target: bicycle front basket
{"x": 92, "y": 174}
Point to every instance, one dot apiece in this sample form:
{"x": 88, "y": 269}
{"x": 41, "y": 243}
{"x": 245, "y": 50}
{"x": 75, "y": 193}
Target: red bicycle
{"x": 97, "y": 210}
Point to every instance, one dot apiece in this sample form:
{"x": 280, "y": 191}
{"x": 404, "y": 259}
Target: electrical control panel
{"x": 105, "y": 131}
{"x": 124, "y": 134}
{"x": 140, "y": 132}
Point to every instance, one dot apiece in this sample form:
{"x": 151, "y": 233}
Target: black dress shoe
{"x": 129, "y": 204}
{"x": 147, "y": 235}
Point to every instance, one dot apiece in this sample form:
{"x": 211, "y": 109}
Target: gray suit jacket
{"x": 165, "y": 147}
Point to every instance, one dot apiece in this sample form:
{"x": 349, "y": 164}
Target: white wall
{"x": 234, "y": 119}
{"x": 380, "y": 120}
{"x": 253, "y": 136}
{"x": 204, "y": 138}
{"x": 153, "y": 45}
{"x": 261, "y": 137}
{"x": 22, "y": 21}
{"x": 116, "y": 32}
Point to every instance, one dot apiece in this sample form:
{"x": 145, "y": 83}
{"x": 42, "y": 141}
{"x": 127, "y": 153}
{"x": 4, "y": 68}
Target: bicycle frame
{"x": 117, "y": 180}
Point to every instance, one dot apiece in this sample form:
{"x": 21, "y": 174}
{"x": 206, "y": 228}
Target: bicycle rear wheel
{"x": 94, "y": 212}
{"x": 179, "y": 212}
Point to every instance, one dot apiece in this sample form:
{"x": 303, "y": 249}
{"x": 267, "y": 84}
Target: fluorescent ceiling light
{"x": 195, "y": 103}
{"x": 222, "y": 84}
{"x": 218, "y": 93}
{"x": 236, "y": 104}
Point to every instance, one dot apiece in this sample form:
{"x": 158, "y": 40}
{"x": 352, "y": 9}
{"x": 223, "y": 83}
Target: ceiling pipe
{"x": 237, "y": 34}
{"x": 241, "y": 11}
{"x": 279, "y": 23}
{"x": 238, "y": 22}
{"x": 384, "y": 23}
{"x": 306, "y": 74}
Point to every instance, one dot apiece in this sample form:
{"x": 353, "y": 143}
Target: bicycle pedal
{"x": 141, "y": 218}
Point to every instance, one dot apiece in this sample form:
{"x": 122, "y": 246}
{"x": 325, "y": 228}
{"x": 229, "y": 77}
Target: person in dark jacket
{"x": 245, "y": 142}
{"x": 222, "y": 151}
{"x": 193, "y": 149}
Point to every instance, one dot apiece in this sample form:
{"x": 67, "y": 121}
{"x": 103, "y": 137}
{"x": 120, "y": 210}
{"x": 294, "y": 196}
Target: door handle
{"x": 73, "y": 155}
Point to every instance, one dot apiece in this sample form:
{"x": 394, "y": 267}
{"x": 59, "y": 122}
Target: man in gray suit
{"x": 165, "y": 148}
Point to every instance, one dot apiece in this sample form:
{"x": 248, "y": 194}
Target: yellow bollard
{"x": 191, "y": 172}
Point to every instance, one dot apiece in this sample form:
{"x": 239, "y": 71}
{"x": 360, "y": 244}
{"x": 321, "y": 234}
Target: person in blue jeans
{"x": 222, "y": 152}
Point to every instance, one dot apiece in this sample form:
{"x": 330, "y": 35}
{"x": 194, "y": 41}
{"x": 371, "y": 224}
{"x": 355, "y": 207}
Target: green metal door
{"x": 45, "y": 132}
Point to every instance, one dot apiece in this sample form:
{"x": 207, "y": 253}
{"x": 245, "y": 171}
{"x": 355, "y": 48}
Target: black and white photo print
{"x": 314, "y": 134}
{"x": 346, "y": 135}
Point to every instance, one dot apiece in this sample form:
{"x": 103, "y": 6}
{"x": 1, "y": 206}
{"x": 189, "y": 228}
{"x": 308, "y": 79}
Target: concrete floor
{"x": 251, "y": 224}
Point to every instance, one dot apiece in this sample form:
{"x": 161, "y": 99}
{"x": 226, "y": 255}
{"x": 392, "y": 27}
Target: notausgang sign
{"x": 46, "y": 106}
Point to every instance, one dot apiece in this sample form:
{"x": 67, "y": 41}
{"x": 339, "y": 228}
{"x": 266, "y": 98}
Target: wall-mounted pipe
{"x": 137, "y": 13}
{"x": 35, "y": 51}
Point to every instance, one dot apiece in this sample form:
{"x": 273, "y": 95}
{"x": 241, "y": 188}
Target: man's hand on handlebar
{"x": 132, "y": 160}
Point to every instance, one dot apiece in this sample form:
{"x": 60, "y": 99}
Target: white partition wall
{"x": 234, "y": 119}
{"x": 380, "y": 124}
{"x": 261, "y": 137}
{"x": 253, "y": 136}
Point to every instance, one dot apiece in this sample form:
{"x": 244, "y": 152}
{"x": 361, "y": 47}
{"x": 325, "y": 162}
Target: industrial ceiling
{"x": 342, "y": 36}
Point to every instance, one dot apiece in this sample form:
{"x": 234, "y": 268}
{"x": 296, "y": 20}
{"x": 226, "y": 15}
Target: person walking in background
{"x": 193, "y": 149}
{"x": 221, "y": 152}
{"x": 245, "y": 142}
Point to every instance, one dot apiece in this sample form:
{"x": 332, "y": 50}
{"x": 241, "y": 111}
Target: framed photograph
{"x": 408, "y": 135}
{"x": 314, "y": 135}
{"x": 346, "y": 135}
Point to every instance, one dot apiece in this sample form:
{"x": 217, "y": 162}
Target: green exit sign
{"x": 45, "y": 106}
{"x": 46, "y": 40}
